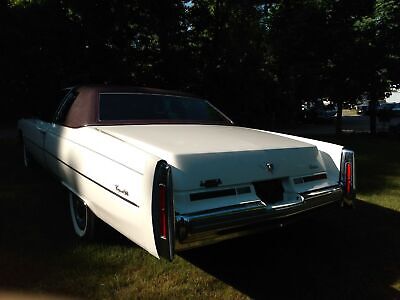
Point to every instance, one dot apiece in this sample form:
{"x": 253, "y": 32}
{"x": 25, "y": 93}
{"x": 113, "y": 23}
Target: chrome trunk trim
{"x": 210, "y": 226}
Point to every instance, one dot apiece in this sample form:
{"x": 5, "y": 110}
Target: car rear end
{"x": 226, "y": 181}
{"x": 243, "y": 197}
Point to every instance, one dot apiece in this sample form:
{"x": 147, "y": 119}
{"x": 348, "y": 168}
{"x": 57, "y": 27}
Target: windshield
{"x": 150, "y": 108}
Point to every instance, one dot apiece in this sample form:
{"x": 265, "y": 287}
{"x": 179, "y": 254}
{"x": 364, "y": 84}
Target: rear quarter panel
{"x": 113, "y": 178}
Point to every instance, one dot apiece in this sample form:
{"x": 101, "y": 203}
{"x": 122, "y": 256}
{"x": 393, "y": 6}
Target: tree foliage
{"x": 258, "y": 60}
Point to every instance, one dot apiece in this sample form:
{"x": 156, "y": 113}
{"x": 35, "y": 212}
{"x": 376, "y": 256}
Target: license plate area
{"x": 269, "y": 191}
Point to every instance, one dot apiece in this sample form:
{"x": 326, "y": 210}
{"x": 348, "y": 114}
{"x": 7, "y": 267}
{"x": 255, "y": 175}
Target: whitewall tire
{"x": 83, "y": 219}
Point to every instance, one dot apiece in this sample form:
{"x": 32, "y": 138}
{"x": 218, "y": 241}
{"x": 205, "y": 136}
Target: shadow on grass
{"x": 343, "y": 254}
{"x": 39, "y": 254}
{"x": 346, "y": 254}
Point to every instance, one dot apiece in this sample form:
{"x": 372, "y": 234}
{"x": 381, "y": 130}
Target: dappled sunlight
{"x": 396, "y": 285}
{"x": 386, "y": 200}
{"x": 18, "y": 295}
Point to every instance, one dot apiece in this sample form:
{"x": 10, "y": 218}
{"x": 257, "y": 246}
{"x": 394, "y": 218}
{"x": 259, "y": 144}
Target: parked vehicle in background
{"x": 385, "y": 112}
{"x": 364, "y": 107}
{"x": 319, "y": 110}
{"x": 349, "y": 105}
{"x": 396, "y": 110}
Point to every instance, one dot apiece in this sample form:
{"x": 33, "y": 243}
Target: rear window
{"x": 157, "y": 109}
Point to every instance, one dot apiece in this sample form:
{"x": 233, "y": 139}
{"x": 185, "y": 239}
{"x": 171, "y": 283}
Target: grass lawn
{"x": 340, "y": 254}
{"x": 349, "y": 112}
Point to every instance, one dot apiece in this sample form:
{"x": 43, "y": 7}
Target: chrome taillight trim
{"x": 163, "y": 212}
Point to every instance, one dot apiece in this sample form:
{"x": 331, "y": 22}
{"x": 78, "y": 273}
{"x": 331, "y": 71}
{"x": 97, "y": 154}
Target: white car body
{"x": 211, "y": 176}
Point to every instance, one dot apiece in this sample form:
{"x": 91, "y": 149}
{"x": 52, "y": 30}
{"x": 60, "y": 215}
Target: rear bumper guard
{"x": 210, "y": 226}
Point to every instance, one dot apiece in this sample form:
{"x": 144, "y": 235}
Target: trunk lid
{"x": 234, "y": 155}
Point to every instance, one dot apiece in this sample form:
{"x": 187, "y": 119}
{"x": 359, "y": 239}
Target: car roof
{"x": 132, "y": 89}
{"x": 84, "y": 109}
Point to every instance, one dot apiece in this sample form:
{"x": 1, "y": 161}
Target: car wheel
{"x": 83, "y": 219}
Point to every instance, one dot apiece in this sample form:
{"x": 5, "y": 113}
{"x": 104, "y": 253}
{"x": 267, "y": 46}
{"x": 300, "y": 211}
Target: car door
{"x": 34, "y": 139}
{"x": 52, "y": 137}
{"x": 41, "y": 129}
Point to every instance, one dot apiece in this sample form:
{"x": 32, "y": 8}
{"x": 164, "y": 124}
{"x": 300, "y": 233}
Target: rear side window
{"x": 157, "y": 108}
{"x": 47, "y": 108}
{"x": 64, "y": 107}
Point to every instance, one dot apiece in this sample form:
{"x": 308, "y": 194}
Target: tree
{"x": 298, "y": 39}
{"x": 344, "y": 67}
{"x": 228, "y": 42}
{"x": 380, "y": 52}
{"x": 53, "y": 44}
{"x": 258, "y": 60}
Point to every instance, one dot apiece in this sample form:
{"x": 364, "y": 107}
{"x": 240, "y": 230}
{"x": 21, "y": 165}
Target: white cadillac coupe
{"x": 170, "y": 171}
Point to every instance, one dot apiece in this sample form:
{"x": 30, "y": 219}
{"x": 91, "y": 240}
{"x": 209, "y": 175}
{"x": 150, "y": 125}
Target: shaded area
{"x": 39, "y": 254}
{"x": 38, "y": 250}
{"x": 260, "y": 61}
{"x": 344, "y": 254}
{"x": 341, "y": 254}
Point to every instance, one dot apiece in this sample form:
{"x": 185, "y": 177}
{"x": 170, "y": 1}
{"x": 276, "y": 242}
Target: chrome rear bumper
{"x": 210, "y": 226}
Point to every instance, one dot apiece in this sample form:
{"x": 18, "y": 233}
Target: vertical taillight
{"x": 347, "y": 176}
{"x": 163, "y": 213}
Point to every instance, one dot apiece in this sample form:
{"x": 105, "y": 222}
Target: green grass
{"x": 378, "y": 168}
{"x": 349, "y": 112}
{"x": 340, "y": 254}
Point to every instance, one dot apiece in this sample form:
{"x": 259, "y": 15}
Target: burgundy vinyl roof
{"x": 84, "y": 109}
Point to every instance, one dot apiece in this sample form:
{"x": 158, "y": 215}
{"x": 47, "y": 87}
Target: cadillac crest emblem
{"x": 269, "y": 167}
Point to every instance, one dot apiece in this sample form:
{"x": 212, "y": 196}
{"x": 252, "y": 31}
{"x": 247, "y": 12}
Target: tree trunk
{"x": 372, "y": 115}
{"x": 339, "y": 117}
